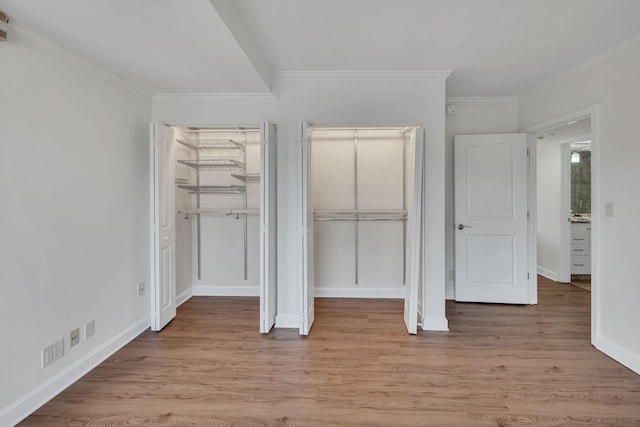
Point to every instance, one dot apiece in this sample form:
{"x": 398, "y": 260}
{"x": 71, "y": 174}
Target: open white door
{"x": 268, "y": 214}
{"x": 491, "y": 219}
{"x": 308, "y": 311}
{"x": 414, "y": 236}
{"x": 163, "y": 254}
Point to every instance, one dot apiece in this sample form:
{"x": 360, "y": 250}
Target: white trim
{"x": 359, "y": 292}
{"x": 20, "y": 31}
{"x": 184, "y": 297}
{"x": 220, "y": 96}
{"x": 619, "y": 354}
{"x": 226, "y": 291}
{"x": 30, "y": 402}
{"x": 601, "y": 57}
{"x": 480, "y": 100}
{"x": 288, "y": 321}
{"x": 435, "y": 324}
{"x": 314, "y": 75}
{"x": 564, "y": 258}
{"x": 594, "y": 113}
{"x": 548, "y": 273}
{"x": 532, "y": 223}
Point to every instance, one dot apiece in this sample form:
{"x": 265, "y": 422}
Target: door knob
{"x": 462, "y": 227}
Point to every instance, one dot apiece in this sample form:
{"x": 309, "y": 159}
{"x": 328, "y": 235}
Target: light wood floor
{"x": 498, "y": 366}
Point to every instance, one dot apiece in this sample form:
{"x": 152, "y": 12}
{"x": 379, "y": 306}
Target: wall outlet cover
{"x": 52, "y": 353}
{"x": 141, "y": 289}
{"x": 89, "y": 329}
{"x": 609, "y": 209}
{"x": 74, "y": 337}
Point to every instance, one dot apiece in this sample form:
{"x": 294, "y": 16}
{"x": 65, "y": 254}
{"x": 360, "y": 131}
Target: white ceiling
{"x": 493, "y": 47}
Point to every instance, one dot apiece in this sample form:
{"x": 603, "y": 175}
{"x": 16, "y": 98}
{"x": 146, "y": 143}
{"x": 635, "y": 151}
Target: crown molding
{"x": 483, "y": 100}
{"x": 598, "y": 59}
{"x": 31, "y": 37}
{"x": 241, "y": 96}
{"x": 314, "y": 75}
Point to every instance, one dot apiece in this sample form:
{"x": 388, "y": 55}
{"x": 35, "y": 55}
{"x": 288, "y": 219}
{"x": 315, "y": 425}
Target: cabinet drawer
{"x": 579, "y": 250}
{"x": 581, "y": 228}
{"x": 580, "y": 265}
{"x": 579, "y": 239}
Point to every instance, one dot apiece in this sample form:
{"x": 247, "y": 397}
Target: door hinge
{"x": 527, "y": 152}
{"x": 528, "y": 214}
{"x": 528, "y": 276}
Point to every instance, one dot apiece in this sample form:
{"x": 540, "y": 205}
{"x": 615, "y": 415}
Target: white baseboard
{"x": 226, "y": 291}
{"x": 184, "y": 297}
{"x": 619, "y": 354}
{"x": 359, "y": 292}
{"x": 287, "y": 321}
{"x": 435, "y": 324}
{"x": 553, "y": 275}
{"x": 27, "y": 404}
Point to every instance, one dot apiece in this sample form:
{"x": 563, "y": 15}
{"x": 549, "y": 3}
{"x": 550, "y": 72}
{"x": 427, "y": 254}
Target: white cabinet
{"x": 580, "y": 248}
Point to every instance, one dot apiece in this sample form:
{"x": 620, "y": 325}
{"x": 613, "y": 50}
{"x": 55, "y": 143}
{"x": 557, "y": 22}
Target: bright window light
{"x": 575, "y": 157}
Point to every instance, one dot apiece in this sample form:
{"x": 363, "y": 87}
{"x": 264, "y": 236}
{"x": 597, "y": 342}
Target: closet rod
{"x": 322, "y": 129}
{"x": 219, "y": 211}
{"x": 360, "y": 219}
{"x": 206, "y": 130}
{"x": 362, "y": 212}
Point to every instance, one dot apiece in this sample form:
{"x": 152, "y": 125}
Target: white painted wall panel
{"x": 74, "y": 184}
{"x": 613, "y": 84}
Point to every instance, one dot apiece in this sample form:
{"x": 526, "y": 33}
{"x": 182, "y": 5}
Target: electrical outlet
{"x": 74, "y": 337}
{"x": 141, "y": 289}
{"x": 52, "y": 353}
{"x": 89, "y": 329}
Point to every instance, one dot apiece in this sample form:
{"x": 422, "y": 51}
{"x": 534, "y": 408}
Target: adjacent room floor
{"x": 499, "y": 365}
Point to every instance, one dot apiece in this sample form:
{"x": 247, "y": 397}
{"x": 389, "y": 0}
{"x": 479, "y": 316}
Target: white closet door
{"x": 414, "y": 237}
{"x": 163, "y": 257}
{"x": 306, "y": 231}
{"x": 491, "y": 192}
{"x": 268, "y": 214}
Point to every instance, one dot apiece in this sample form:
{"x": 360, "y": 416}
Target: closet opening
{"x": 214, "y": 217}
{"x": 363, "y": 221}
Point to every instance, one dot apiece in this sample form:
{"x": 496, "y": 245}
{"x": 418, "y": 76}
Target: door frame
{"x": 592, "y": 112}
{"x": 421, "y": 298}
{"x": 258, "y": 126}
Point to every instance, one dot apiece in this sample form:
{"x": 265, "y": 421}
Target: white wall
{"x": 613, "y": 84}
{"x": 549, "y": 186}
{"x": 473, "y": 116}
{"x": 74, "y": 218}
{"x": 333, "y": 99}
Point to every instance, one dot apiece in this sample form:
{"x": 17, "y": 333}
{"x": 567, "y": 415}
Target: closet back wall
{"x": 376, "y": 250}
{"x": 367, "y": 99}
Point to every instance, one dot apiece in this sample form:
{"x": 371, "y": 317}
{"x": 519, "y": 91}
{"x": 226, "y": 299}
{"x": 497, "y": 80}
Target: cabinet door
{"x": 163, "y": 254}
{"x": 268, "y": 214}
{"x": 414, "y": 237}
{"x": 308, "y": 309}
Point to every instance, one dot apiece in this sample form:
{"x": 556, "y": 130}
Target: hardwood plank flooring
{"x": 500, "y": 365}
